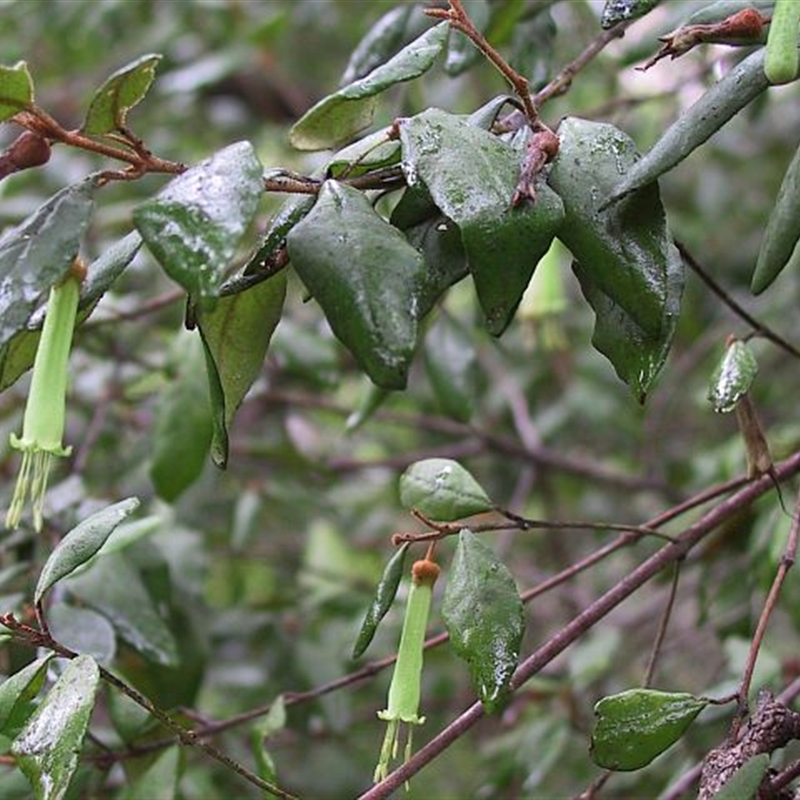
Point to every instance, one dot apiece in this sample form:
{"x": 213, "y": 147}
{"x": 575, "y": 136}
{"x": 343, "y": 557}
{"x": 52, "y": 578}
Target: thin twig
{"x": 584, "y": 621}
{"x": 758, "y": 327}
{"x": 652, "y": 661}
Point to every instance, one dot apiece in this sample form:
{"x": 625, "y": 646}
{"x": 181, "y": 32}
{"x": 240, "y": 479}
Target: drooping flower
{"x": 43, "y": 422}
{"x": 404, "y": 691}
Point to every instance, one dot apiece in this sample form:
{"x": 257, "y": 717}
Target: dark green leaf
{"x": 633, "y": 727}
{"x": 18, "y": 693}
{"x": 81, "y": 543}
{"x": 235, "y": 336}
{"x": 184, "y": 426}
{"x": 48, "y": 747}
{"x": 379, "y": 43}
{"x": 783, "y": 230}
{"x": 744, "y": 783}
{"x": 104, "y": 270}
{"x": 339, "y": 116}
{"x": 451, "y": 365}
{"x": 194, "y": 225}
{"x": 17, "y": 355}
{"x": 371, "y": 152}
{"x": 291, "y": 212}
{"x": 365, "y": 276}
{"x": 38, "y": 253}
{"x": 732, "y": 377}
{"x": 120, "y": 92}
{"x": 629, "y": 270}
{"x": 442, "y": 490}
{"x": 115, "y": 589}
{"x": 16, "y": 89}
{"x": 471, "y": 176}
{"x": 437, "y": 238}
{"x": 382, "y": 602}
{"x": 483, "y": 614}
{"x": 694, "y": 126}
{"x": 616, "y": 11}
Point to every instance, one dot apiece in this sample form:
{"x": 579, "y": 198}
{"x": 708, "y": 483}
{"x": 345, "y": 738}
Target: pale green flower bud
{"x": 404, "y": 691}
{"x": 43, "y": 423}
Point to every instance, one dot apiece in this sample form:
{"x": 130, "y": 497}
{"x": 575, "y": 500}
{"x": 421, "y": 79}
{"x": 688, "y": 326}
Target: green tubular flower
{"x": 404, "y": 691}
{"x": 43, "y": 423}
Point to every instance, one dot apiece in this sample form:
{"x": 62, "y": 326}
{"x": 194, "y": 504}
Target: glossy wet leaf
{"x": 38, "y": 253}
{"x": 437, "y": 239}
{"x": 738, "y": 87}
{"x": 107, "y": 267}
{"x": 194, "y": 225}
{"x": 382, "y": 602}
{"x": 379, "y": 43}
{"x": 339, "y": 116}
{"x": 184, "y": 425}
{"x": 81, "y": 543}
{"x": 235, "y": 336}
{"x": 629, "y": 270}
{"x": 732, "y": 377}
{"x": 471, "y": 176}
{"x": 115, "y": 589}
{"x": 16, "y": 89}
{"x": 744, "y": 783}
{"x": 783, "y": 230}
{"x": 633, "y": 727}
{"x": 442, "y": 490}
{"x": 48, "y": 747}
{"x": 119, "y": 93}
{"x": 365, "y": 276}
{"x": 451, "y": 365}
{"x": 615, "y": 11}
{"x": 483, "y": 614}
{"x": 18, "y": 694}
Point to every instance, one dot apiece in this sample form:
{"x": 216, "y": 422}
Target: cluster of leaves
{"x": 407, "y": 243}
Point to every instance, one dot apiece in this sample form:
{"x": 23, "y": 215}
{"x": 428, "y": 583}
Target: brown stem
{"x": 757, "y": 326}
{"x": 586, "y": 620}
{"x": 652, "y": 661}
{"x": 37, "y": 638}
{"x": 787, "y": 561}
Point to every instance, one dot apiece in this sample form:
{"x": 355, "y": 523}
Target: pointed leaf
{"x": 442, "y": 490}
{"x": 115, "y": 589}
{"x": 339, "y": 116}
{"x": 483, "y": 614}
{"x": 48, "y": 748}
{"x": 183, "y": 427}
{"x": 81, "y": 543}
{"x": 365, "y": 276}
{"x": 194, "y": 225}
{"x": 783, "y": 230}
{"x": 382, "y": 602}
{"x": 629, "y": 270}
{"x": 38, "y": 253}
{"x": 235, "y": 337}
{"x": 18, "y": 693}
{"x": 732, "y": 377}
{"x": 120, "y": 92}
{"x": 16, "y": 89}
{"x": 471, "y": 176}
{"x": 106, "y": 268}
{"x": 633, "y": 727}
{"x": 718, "y": 105}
